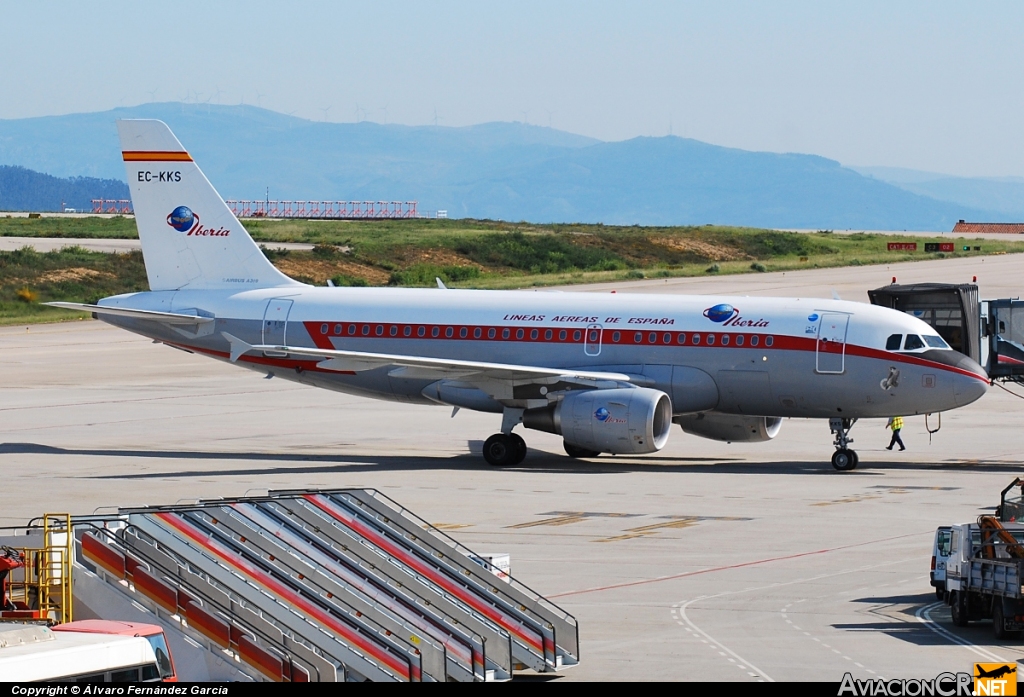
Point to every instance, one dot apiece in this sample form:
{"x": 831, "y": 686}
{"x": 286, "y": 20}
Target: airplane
{"x": 608, "y": 372}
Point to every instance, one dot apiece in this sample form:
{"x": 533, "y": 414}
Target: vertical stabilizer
{"x": 190, "y": 238}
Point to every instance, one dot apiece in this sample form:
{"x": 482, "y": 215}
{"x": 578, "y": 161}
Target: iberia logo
{"x": 184, "y": 220}
{"x": 729, "y": 316}
{"x": 604, "y": 416}
{"x": 721, "y": 313}
{"x": 995, "y": 679}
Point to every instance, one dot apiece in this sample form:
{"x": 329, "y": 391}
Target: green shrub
{"x": 427, "y": 275}
{"x": 343, "y": 280}
{"x": 325, "y": 251}
{"x": 759, "y": 267}
{"x": 714, "y": 268}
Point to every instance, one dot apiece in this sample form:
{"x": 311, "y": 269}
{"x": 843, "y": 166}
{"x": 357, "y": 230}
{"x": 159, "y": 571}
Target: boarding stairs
{"x": 326, "y": 586}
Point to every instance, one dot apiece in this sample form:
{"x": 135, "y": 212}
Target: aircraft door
{"x": 275, "y": 323}
{"x": 831, "y": 349}
{"x": 592, "y": 343}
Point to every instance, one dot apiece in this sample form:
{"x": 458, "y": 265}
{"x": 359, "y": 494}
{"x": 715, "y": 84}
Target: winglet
{"x": 238, "y": 347}
{"x": 440, "y": 283}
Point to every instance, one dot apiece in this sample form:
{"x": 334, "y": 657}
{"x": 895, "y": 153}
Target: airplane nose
{"x": 969, "y": 388}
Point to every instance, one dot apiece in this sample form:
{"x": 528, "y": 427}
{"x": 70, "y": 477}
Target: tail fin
{"x": 190, "y": 238}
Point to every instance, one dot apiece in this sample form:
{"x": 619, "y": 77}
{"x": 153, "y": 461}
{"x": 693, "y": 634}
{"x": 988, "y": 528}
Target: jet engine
{"x": 727, "y": 427}
{"x": 624, "y": 421}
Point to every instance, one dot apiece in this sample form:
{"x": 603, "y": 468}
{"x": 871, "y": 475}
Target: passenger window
{"x": 893, "y": 342}
{"x": 913, "y": 342}
{"x": 943, "y": 543}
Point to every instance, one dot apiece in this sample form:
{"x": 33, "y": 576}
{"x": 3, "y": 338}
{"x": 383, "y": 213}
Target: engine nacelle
{"x": 624, "y": 421}
{"x": 727, "y": 427}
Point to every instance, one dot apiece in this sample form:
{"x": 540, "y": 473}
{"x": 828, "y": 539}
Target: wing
{"x": 497, "y": 379}
{"x": 164, "y": 317}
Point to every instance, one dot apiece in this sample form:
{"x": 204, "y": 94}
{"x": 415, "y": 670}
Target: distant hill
{"x": 1002, "y": 195}
{"x": 22, "y": 189}
{"x": 509, "y": 171}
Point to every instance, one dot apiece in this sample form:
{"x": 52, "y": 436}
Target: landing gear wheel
{"x": 958, "y": 608}
{"x": 578, "y": 452}
{"x": 520, "y": 446}
{"x": 844, "y": 460}
{"x": 501, "y": 451}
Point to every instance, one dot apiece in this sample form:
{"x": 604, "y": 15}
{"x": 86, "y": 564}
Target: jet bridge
{"x": 326, "y": 586}
{"x": 989, "y": 331}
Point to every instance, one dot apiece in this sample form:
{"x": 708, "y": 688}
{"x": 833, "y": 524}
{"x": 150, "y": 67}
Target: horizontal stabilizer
{"x": 163, "y": 317}
{"x": 238, "y": 347}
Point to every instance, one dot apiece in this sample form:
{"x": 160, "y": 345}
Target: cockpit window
{"x": 935, "y": 342}
{"x": 913, "y": 342}
{"x": 893, "y": 342}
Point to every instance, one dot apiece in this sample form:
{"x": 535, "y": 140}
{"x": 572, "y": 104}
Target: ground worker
{"x": 895, "y": 423}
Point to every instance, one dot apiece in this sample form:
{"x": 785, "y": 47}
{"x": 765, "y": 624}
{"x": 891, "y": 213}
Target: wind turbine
{"x": 385, "y": 110}
{"x": 325, "y": 110}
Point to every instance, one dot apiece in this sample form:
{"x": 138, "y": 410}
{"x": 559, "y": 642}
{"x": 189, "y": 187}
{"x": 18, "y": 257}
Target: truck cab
{"x": 940, "y": 555}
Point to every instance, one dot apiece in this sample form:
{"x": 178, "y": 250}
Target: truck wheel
{"x": 940, "y": 593}
{"x": 998, "y": 621}
{"x": 958, "y": 608}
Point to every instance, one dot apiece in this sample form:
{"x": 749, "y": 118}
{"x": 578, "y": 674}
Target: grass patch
{"x": 462, "y": 253}
{"x": 28, "y": 278}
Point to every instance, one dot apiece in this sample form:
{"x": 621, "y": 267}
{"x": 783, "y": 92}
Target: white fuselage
{"x": 738, "y": 355}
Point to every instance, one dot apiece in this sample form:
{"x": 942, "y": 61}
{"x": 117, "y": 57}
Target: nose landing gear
{"x": 843, "y": 459}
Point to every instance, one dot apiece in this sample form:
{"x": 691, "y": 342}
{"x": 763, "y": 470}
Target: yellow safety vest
{"x": 897, "y": 423}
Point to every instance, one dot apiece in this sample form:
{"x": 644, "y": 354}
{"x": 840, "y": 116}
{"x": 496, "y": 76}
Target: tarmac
{"x": 706, "y": 561}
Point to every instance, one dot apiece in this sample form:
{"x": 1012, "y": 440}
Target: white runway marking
{"x": 746, "y": 665}
{"x": 924, "y": 616}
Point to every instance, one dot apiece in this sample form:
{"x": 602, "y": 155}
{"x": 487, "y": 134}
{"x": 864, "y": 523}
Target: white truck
{"x": 983, "y": 575}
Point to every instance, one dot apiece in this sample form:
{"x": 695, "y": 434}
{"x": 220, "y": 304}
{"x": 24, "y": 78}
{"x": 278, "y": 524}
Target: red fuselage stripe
{"x": 323, "y": 334}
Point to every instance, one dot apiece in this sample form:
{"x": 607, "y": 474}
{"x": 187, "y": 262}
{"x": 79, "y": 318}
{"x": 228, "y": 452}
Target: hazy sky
{"x": 928, "y": 85}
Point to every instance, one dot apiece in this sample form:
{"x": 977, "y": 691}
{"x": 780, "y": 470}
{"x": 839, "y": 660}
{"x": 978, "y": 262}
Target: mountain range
{"x": 511, "y": 171}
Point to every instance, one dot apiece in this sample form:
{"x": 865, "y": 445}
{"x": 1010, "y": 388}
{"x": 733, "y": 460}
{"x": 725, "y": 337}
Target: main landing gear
{"x": 506, "y": 449}
{"x": 502, "y": 450}
{"x": 843, "y": 459}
